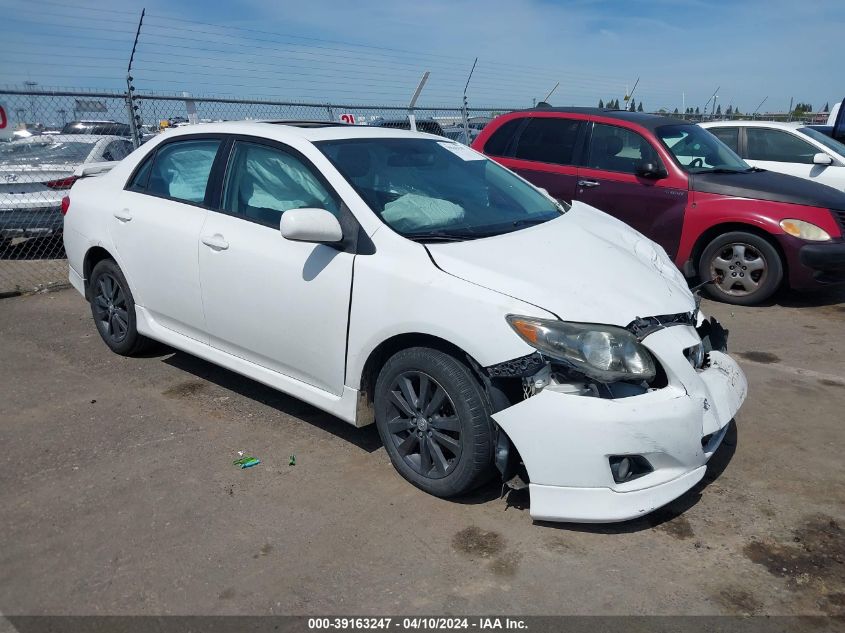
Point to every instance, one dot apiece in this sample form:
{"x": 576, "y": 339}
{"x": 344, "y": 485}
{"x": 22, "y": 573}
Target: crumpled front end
{"x": 604, "y": 456}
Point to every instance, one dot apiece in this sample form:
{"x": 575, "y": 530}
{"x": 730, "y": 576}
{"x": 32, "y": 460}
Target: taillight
{"x": 65, "y": 205}
{"x": 61, "y": 183}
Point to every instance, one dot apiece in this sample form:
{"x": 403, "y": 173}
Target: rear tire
{"x": 113, "y": 309}
{"x": 747, "y": 268}
{"x": 434, "y": 420}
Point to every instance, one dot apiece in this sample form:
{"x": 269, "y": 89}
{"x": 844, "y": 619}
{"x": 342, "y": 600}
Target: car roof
{"x": 646, "y": 120}
{"x": 288, "y": 130}
{"x": 791, "y": 125}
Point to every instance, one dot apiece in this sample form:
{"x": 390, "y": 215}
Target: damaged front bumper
{"x": 568, "y": 441}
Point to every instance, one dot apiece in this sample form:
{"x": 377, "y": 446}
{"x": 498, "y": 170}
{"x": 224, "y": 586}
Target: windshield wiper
{"x": 438, "y": 236}
{"x": 531, "y": 222}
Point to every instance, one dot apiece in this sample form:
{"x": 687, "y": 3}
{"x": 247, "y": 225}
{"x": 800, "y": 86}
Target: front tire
{"x": 113, "y": 309}
{"x": 747, "y": 268}
{"x": 434, "y": 420}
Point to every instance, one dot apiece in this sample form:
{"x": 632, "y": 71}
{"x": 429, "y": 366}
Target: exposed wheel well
{"x": 93, "y": 257}
{"x": 378, "y": 357}
{"x": 507, "y": 456}
{"x": 714, "y": 231}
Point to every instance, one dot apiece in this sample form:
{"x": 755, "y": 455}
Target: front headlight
{"x": 602, "y": 352}
{"x": 804, "y": 230}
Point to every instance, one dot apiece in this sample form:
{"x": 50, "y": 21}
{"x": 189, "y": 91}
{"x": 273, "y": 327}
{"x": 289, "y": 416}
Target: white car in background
{"x": 404, "y": 279}
{"x": 36, "y": 172}
{"x": 788, "y": 148}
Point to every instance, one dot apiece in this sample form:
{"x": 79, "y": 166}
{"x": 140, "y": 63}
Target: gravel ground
{"x": 119, "y": 495}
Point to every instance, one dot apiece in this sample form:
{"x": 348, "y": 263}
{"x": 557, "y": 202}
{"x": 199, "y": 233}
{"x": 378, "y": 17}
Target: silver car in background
{"x": 36, "y": 172}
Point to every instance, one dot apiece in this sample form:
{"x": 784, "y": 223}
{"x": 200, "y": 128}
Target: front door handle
{"x": 216, "y": 242}
{"x": 588, "y": 183}
{"x": 123, "y": 215}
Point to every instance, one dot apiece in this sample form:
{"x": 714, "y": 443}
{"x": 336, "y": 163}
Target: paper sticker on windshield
{"x": 461, "y": 151}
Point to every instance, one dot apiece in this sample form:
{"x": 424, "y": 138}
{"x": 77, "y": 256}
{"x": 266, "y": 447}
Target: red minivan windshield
{"x": 697, "y": 151}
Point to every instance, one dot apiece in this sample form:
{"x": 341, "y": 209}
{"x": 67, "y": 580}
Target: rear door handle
{"x": 123, "y": 216}
{"x": 588, "y": 183}
{"x": 217, "y": 242}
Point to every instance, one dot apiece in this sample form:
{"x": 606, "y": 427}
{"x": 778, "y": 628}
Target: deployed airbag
{"x": 412, "y": 212}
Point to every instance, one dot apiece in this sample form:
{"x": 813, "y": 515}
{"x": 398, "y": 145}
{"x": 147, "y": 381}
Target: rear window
{"x": 728, "y": 135}
{"x": 499, "y": 142}
{"x": 112, "y": 128}
{"x": 44, "y": 152}
{"x": 181, "y": 169}
{"x": 548, "y": 140}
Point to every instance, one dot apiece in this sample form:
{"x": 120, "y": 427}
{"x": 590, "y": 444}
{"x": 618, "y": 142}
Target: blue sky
{"x": 375, "y": 52}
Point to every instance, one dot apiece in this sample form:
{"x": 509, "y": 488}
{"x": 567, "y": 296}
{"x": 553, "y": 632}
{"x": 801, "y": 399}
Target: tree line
{"x": 613, "y": 104}
{"x": 801, "y": 108}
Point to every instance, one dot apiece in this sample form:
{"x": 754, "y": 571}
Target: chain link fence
{"x": 57, "y": 131}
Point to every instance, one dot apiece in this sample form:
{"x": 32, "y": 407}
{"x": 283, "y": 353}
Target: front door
{"x": 608, "y": 180}
{"x": 155, "y": 227}
{"x": 280, "y": 304}
{"x": 784, "y": 152}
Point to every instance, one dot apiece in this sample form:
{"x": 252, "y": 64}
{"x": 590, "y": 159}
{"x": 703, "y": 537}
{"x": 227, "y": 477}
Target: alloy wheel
{"x": 110, "y": 309}
{"x": 739, "y": 269}
{"x": 423, "y": 424}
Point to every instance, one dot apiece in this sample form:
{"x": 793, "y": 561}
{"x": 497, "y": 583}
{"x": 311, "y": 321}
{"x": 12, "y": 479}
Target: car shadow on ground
{"x": 715, "y": 467}
{"x": 365, "y": 438}
{"x": 787, "y": 298}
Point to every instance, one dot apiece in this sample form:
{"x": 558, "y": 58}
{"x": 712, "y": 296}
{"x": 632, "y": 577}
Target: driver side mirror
{"x": 650, "y": 170}
{"x": 317, "y": 226}
{"x": 822, "y": 159}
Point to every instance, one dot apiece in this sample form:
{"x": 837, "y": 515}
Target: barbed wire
{"x": 332, "y": 69}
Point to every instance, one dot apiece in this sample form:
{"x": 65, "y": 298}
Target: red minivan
{"x": 718, "y": 218}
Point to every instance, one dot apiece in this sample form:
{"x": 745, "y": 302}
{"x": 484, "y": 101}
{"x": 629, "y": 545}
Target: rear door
{"x": 156, "y": 226}
{"x": 608, "y": 180}
{"x": 543, "y": 150}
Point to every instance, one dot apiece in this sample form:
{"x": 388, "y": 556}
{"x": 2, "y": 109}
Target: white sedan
{"x": 404, "y": 279}
{"x": 36, "y": 172}
{"x": 788, "y": 148}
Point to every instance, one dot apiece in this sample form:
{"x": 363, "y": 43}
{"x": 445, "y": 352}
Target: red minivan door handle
{"x": 588, "y": 183}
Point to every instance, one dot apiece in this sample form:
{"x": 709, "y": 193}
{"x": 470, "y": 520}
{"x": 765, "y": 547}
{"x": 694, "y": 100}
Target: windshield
{"x": 698, "y": 151}
{"x": 824, "y": 139}
{"x": 44, "y": 152}
{"x": 428, "y": 189}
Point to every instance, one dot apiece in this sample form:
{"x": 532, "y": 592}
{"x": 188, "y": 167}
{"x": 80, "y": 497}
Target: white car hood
{"x": 584, "y": 266}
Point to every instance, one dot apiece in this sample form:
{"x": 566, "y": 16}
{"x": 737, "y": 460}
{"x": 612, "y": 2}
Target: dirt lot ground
{"x": 119, "y": 495}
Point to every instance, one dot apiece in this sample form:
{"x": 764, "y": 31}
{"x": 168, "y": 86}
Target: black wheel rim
{"x": 423, "y": 425}
{"x": 110, "y": 310}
